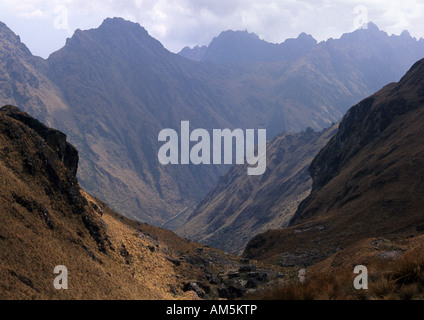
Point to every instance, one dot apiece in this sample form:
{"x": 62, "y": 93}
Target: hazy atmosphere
{"x": 44, "y": 25}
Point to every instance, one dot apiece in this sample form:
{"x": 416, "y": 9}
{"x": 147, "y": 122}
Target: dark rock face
{"x": 175, "y": 262}
{"x": 233, "y": 289}
{"x": 33, "y": 206}
{"x": 258, "y": 276}
{"x": 233, "y": 275}
{"x": 95, "y": 232}
{"x": 198, "y": 287}
{"x": 236, "y": 289}
{"x": 55, "y": 139}
{"x": 322, "y": 174}
{"x": 45, "y": 160}
{"x": 255, "y": 278}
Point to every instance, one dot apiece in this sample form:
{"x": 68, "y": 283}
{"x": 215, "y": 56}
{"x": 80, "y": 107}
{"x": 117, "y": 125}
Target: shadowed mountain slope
{"x": 240, "y": 206}
{"x": 367, "y": 182}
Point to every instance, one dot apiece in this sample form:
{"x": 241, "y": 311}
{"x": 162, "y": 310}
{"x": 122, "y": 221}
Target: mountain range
{"x": 112, "y": 89}
{"x": 343, "y": 186}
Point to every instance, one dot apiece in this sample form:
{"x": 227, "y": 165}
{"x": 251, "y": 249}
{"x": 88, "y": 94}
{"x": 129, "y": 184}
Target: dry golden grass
{"x": 402, "y": 279}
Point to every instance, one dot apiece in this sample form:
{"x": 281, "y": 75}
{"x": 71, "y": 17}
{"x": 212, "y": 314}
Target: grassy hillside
{"x": 47, "y": 220}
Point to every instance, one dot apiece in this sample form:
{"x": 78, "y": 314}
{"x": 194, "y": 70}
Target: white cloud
{"x": 32, "y": 14}
{"x": 177, "y": 23}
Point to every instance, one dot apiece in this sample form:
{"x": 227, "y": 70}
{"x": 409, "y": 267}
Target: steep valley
{"x": 335, "y": 194}
{"x": 240, "y": 207}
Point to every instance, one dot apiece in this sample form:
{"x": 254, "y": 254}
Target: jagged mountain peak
{"x": 245, "y": 47}
{"x": 303, "y": 40}
{"x": 196, "y": 53}
{"x": 405, "y": 34}
{"x": 115, "y": 34}
{"x": 305, "y": 36}
{"x": 369, "y": 26}
{"x": 236, "y": 34}
{"x": 120, "y": 87}
{"x": 118, "y": 24}
{"x": 364, "y": 33}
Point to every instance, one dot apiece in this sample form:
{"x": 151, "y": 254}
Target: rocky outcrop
{"x": 55, "y": 139}
{"x": 45, "y": 157}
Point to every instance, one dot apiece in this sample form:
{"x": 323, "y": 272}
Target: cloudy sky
{"x": 44, "y": 25}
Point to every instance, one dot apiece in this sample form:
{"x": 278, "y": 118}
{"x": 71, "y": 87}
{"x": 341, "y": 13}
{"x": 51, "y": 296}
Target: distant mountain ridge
{"x": 242, "y": 46}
